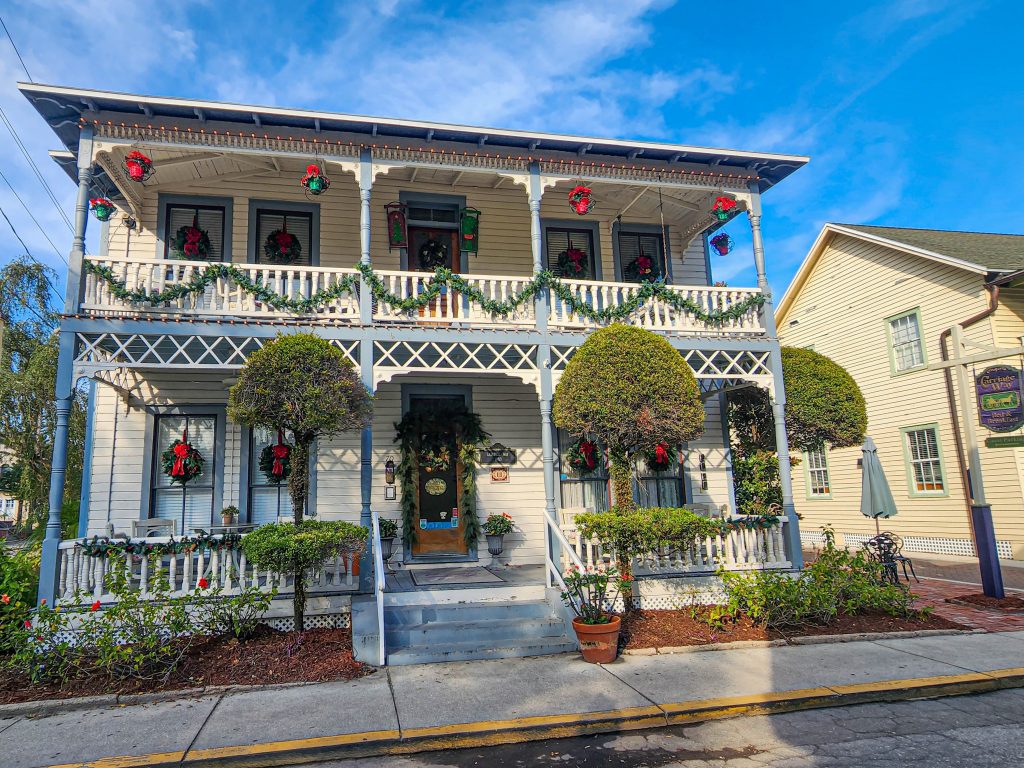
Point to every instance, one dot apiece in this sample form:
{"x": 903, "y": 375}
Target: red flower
{"x": 43, "y": 601}
{"x": 5, "y": 599}
{"x": 28, "y": 624}
{"x": 723, "y": 204}
{"x": 644, "y": 264}
{"x": 203, "y": 583}
{"x": 95, "y": 606}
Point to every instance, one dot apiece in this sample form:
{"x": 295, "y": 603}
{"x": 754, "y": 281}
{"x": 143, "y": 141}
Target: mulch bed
{"x": 1010, "y": 603}
{"x": 666, "y": 629}
{"x": 315, "y": 656}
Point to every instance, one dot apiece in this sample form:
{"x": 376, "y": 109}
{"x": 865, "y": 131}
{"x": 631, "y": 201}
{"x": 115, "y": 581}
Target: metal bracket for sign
{"x": 496, "y": 453}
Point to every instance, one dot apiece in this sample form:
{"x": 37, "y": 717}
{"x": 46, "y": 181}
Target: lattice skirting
{"x": 926, "y": 544}
{"x": 326, "y": 621}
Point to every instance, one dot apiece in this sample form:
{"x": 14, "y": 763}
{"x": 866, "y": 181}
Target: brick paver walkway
{"x": 935, "y": 593}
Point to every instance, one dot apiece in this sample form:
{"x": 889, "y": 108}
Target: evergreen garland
{"x": 103, "y": 546}
{"x": 655, "y": 290}
{"x": 747, "y": 522}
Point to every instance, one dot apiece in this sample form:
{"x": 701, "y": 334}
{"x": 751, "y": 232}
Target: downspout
{"x": 961, "y": 459}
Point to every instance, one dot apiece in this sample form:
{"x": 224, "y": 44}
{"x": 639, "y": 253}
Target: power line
{"x": 35, "y": 169}
{"x": 32, "y": 216}
{"x": 31, "y": 255}
{"x": 16, "y": 51}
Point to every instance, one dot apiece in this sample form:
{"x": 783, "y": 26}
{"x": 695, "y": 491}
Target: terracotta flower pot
{"x": 599, "y": 643}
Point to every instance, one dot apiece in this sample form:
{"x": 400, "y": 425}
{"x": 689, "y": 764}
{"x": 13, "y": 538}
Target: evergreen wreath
{"x": 201, "y": 279}
{"x": 659, "y": 458}
{"x": 181, "y": 462}
{"x": 191, "y": 242}
{"x": 282, "y": 247}
{"x": 584, "y": 457}
{"x": 641, "y": 269}
{"x": 421, "y": 432}
{"x": 433, "y": 254}
{"x": 573, "y": 263}
{"x": 435, "y": 460}
{"x": 276, "y": 462}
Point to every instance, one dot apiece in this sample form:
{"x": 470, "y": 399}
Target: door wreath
{"x": 433, "y": 254}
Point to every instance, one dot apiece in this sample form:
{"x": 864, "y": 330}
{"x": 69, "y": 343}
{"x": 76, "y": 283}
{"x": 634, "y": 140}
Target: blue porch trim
{"x": 90, "y": 419}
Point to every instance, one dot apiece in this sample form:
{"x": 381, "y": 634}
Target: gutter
{"x": 961, "y": 459}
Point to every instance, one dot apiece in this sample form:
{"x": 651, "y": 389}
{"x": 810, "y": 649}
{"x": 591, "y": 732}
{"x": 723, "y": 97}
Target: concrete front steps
{"x": 466, "y": 624}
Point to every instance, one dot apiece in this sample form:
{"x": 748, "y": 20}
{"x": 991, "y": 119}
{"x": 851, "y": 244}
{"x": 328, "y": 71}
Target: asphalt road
{"x": 976, "y": 731}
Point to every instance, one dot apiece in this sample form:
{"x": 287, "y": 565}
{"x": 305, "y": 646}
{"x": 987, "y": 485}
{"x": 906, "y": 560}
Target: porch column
{"x": 365, "y": 187}
{"x": 548, "y": 453}
{"x": 534, "y": 194}
{"x": 754, "y": 214}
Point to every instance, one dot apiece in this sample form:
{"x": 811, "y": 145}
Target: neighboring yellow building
{"x": 878, "y": 300}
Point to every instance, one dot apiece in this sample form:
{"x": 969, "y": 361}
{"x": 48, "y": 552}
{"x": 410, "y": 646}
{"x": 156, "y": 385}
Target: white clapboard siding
{"x": 840, "y": 312}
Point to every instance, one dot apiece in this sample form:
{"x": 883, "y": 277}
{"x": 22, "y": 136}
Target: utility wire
{"x": 28, "y": 210}
{"x": 35, "y": 169}
{"x": 16, "y": 51}
{"x": 30, "y": 254}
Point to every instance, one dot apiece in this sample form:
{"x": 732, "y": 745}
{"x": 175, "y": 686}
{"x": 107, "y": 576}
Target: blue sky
{"x": 911, "y": 110}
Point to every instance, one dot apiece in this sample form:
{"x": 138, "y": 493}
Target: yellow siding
{"x": 841, "y": 312}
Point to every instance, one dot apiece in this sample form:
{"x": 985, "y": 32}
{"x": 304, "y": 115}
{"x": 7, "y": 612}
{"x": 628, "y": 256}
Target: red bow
{"x": 587, "y": 448}
{"x": 280, "y": 454}
{"x": 661, "y": 454}
{"x": 181, "y": 452}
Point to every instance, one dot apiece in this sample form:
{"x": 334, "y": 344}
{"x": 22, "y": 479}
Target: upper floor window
{"x": 570, "y": 253}
{"x": 905, "y": 341}
{"x": 818, "y": 483}
{"x": 924, "y": 459}
{"x": 207, "y": 218}
{"x": 299, "y": 224}
{"x": 641, "y": 256}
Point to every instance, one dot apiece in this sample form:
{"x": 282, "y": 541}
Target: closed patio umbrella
{"x": 875, "y": 497}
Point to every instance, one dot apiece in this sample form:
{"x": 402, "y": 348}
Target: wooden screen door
{"x": 439, "y": 526}
{"x": 447, "y": 305}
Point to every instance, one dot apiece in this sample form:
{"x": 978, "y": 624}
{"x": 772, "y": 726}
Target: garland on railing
{"x": 747, "y": 523}
{"x": 432, "y": 289}
{"x": 103, "y": 546}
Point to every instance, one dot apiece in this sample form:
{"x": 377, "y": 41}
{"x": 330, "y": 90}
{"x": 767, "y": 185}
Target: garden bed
{"x": 665, "y": 629}
{"x": 271, "y": 657}
{"x": 1009, "y": 604}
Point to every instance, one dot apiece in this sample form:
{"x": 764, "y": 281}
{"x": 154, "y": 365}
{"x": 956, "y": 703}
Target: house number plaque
{"x": 496, "y": 453}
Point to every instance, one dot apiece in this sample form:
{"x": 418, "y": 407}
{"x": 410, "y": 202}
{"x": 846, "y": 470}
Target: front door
{"x": 430, "y": 248}
{"x": 438, "y": 523}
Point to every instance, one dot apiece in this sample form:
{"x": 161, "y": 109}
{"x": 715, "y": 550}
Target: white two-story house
{"x": 160, "y": 337}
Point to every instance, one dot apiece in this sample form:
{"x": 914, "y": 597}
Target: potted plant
{"x": 228, "y": 515}
{"x": 495, "y": 528}
{"x": 388, "y": 533}
{"x": 586, "y": 594}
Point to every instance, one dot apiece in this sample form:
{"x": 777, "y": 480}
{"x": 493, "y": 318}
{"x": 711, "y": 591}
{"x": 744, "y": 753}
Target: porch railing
{"x": 226, "y": 296}
{"x": 84, "y": 576}
{"x": 743, "y": 549}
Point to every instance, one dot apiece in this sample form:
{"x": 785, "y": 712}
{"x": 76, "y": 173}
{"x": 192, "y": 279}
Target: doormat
{"x": 443, "y": 576}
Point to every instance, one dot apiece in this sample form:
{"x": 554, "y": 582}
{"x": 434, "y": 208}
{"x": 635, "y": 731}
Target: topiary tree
{"x": 295, "y": 548}
{"x": 303, "y": 384}
{"x": 630, "y": 389}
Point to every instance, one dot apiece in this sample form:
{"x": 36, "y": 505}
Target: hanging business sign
{"x": 1000, "y": 405}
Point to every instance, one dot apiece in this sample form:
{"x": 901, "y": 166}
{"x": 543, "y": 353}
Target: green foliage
{"x": 388, "y": 528}
{"x": 19, "y": 578}
{"x": 630, "y": 389}
{"x": 587, "y": 595}
{"x": 303, "y": 384}
{"x": 824, "y": 405}
{"x": 294, "y": 548}
{"x": 838, "y": 581}
{"x": 498, "y": 525}
{"x": 756, "y": 478}
{"x": 238, "y": 615}
{"x": 632, "y": 532}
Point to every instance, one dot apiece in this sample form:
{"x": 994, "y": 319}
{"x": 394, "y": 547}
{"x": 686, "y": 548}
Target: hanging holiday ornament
{"x": 275, "y": 461}
{"x": 181, "y": 461}
{"x": 138, "y": 166}
{"x": 722, "y": 243}
{"x": 722, "y": 207}
{"x": 581, "y": 199}
{"x": 282, "y": 247}
{"x": 102, "y": 208}
{"x": 315, "y": 181}
{"x": 398, "y": 234}
{"x": 469, "y": 230}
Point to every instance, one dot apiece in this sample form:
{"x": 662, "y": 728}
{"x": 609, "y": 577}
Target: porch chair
{"x": 886, "y": 549}
{"x": 156, "y": 526}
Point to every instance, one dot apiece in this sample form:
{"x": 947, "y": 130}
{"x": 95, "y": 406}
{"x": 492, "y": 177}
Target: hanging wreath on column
{"x": 573, "y": 263}
{"x": 722, "y": 207}
{"x": 191, "y": 242}
{"x": 101, "y": 208}
{"x": 181, "y": 461}
{"x": 433, "y": 254}
{"x": 138, "y": 166}
{"x": 275, "y": 461}
{"x": 722, "y": 243}
{"x": 282, "y": 247}
{"x": 641, "y": 269}
{"x": 584, "y": 457}
{"x": 658, "y": 458}
{"x": 315, "y": 182}
{"x": 581, "y": 199}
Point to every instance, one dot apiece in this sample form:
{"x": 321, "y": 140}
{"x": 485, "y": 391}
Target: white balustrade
{"x": 225, "y": 297}
{"x": 743, "y": 549}
{"x": 83, "y": 578}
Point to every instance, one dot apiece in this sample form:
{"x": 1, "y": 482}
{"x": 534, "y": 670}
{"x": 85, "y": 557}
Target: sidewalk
{"x": 403, "y": 709}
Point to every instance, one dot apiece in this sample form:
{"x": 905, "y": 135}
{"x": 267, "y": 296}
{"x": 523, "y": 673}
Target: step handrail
{"x": 566, "y": 546}
{"x": 380, "y": 583}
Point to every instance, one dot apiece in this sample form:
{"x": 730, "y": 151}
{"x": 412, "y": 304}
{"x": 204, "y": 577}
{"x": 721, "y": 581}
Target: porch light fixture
{"x": 469, "y": 230}
{"x": 398, "y": 233}
{"x": 389, "y": 471}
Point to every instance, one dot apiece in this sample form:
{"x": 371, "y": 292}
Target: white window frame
{"x": 822, "y": 470}
{"x": 894, "y": 343}
{"x": 934, "y": 463}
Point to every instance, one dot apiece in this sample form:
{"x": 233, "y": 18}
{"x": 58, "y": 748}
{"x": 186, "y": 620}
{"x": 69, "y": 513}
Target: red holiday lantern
{"x": 138, "y": 166}
{"x": 722, "y": 243}
{"x": 581, "y": 199}
{"x": 315, "y": 181}
{"x": 398, "y": 232}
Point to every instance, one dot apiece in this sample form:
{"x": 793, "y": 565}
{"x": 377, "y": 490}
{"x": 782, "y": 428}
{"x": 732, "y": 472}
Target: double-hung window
{"x": 906, "y": 345}
{"x": 818, "y": 483}
{"x": 190, "y": 504}
{"x": 587, "y": 492}
{"x": 570, "y": 253}
{"x": 209, "y": 218}
{"x": 924, "y": 458}
{"x": 641, "y": 256}
{"x": 299, "y": 224}
{"x": 268, "y": 501}
{"x": 659, "y": 489}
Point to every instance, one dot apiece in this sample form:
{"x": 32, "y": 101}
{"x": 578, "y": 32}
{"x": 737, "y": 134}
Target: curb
{"x": 496, "y": 732}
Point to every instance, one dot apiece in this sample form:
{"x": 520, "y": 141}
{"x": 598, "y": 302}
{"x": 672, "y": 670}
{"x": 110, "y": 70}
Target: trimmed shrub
{"x": 756, "y": 478}
{"x": 19, "y": 578}
{"x": 634, "y": 532}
